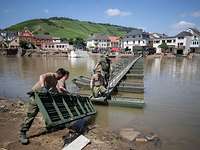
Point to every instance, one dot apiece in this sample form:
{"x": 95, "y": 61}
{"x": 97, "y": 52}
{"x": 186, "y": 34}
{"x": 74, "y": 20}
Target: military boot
{"x": 23, "y": 138}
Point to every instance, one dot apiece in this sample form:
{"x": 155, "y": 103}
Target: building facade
{"x": 136, "y": 39}
{"x": 8, "y": 35}
{"x": 14, "y": 43}
{"x": 98, "y": 42}
{"x": 183, "y": 43}
{"x": 37, "y": 40}
{"x": 62, "y": 46}
{"x": 195, "y": 43}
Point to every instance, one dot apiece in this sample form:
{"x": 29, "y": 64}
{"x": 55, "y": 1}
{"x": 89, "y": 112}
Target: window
{"x": 169, "y": 41}
{"x": 180, "y": 37}
{"x": 163, "y": 41}
{"x": 133, "y": 36}
{"x": 180, "y": 44}
{"x": 174, "y": 41}
{"x": 139, "y": 41}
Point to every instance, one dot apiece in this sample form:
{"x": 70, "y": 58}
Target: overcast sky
{"x": 164, "y": 16}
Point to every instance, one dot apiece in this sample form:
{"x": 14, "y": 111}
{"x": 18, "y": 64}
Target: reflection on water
{"x": 172, "y": 95}
{"x": 18, "y": 74}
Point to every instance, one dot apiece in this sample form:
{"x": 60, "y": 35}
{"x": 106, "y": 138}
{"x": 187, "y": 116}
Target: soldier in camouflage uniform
{"x": 97, "y": 84}
{"x": 104, "y": 66}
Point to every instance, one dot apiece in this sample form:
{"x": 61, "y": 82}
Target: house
{"x": 98, "y": 41}
{"x": 114, "y": 43}
{"x": 3, "y": 44}
{"x": 170, "y": 41}
{"x": 8, "y": 35}
{"x": 56, "y": 40}
{"x": 179, "y": 44}
{"x": 37, "y": 40}
{"x": 195, "y": 43}
{"x": 63, "y": 46}
{"x": 135, "y": 40}
{"x": 26, "y": 35}
{"x": 155, "y": 35}
{"x": 14, "y": 43}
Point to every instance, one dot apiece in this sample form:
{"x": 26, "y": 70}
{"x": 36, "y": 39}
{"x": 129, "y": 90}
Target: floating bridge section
{"x": 120, "y": 74}
{"x": 61, "y": 109}
{"x": 126, "y": 83}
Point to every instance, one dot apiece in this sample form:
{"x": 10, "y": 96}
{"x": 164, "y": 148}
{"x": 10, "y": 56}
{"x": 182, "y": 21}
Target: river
{"x": 172, "y": 95}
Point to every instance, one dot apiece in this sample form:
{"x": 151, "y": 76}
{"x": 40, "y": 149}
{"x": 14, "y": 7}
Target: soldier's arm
{"x": 91, "y": 82}
{"x": 61, "y": 87}
{"x": 96, "y": 66}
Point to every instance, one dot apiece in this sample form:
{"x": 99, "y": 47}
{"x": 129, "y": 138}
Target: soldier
{"x": 104, "y": 66}
{"x": 97, "y": 84}
{"x": 47, "y": 81}
{"x": 61, "y": 87}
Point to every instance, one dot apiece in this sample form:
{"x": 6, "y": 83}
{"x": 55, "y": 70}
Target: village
{"x": 184, "y": 43}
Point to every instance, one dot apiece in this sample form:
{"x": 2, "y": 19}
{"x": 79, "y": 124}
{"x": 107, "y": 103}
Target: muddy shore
{"x": 13, "y": 112}
{"x": 33, "y": 52}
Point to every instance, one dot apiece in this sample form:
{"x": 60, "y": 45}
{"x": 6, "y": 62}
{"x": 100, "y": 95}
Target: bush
{"x": 163, "y": 47}
{"x": 26, "y": 45}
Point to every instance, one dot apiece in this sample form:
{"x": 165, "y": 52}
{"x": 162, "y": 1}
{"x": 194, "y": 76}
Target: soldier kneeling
{"x": 97, "y": 84}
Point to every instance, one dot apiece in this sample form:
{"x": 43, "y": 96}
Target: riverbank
{"x": 13, "y": 112}
{"x": 33, "y": 52}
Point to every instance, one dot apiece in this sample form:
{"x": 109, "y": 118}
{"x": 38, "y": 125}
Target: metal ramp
{"x": 61, "y": 109}
{"x": 114, "y": 81}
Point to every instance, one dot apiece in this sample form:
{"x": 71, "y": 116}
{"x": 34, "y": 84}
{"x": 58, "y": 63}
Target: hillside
{"x": 69, "y": 28}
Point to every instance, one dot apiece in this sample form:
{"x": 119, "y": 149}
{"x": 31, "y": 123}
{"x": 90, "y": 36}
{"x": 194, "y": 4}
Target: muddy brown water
{"x": 172, "y": 95}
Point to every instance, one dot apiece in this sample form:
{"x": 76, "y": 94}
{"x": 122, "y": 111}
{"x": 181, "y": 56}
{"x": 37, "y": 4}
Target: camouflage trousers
{"x": 30, "y": 115}
{"x": 99, "y": 91}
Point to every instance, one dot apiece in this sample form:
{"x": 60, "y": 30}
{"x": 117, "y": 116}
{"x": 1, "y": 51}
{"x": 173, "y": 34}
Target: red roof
{"x": 115, "y": 49}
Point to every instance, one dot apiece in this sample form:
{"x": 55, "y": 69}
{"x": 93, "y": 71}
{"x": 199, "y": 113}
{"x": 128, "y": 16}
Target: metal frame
{"x": 59, "y": 109}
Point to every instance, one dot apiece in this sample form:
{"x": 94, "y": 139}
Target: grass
{"x": 69, "y": 28}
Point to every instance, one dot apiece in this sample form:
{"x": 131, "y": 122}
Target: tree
{"x": 127, "y": 49}
{"x": 79, "y": 43}
{"x": 71, "y": 41}
{"x": 26, "y": 45}
{"x": 64, "y": 39}
{"x": 163, "y": 47}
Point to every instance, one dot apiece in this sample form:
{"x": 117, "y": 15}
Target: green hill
{"x": 69, "y": 28}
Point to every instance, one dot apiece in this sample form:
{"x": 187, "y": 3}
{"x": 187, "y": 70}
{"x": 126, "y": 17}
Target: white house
{"x": 179, "y": 44}
{"x": 98, "y": 41}
{"x": 134, "y": 39}
{"x": 170, "y": 41}
{"x": 63, "y": 46}
{"x": 56, "y": 40}
{"x": 195, "y": 43}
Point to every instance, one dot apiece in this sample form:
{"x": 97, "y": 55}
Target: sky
{"x": 163, "y": 16}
